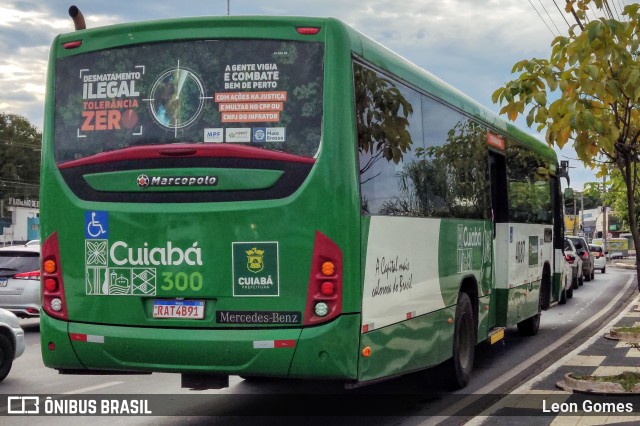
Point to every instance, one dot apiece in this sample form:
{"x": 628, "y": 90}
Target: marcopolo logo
{"x": 145, "y": 181}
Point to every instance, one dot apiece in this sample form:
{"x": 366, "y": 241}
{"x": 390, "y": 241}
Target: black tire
{"x": 593, "y": 273}
{"x": 545, "y": 292}
{"x": 6, "y": 356}
{"x": 574, "y": 283}
{"x": 581, "y": 280}
{"x": 570, "y": 293}
{"x": 464, "y": 342}
{"x": 531, "y": 325}
{"x": 587, "y": 277}
{"x": 603, "y": 269}
{"x": 563, "y": 297}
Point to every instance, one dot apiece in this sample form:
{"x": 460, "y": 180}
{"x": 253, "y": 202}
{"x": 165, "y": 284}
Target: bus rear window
{"x": 263, "y": 93}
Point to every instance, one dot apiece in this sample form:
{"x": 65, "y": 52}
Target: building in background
{"x": 25, "y": 221}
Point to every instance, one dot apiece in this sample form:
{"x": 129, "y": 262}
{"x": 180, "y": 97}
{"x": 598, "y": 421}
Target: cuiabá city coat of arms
{"x": 255, "y": 269}
{"x": 255, "y": 261}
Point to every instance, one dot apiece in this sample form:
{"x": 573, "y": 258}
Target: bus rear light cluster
{"x": 53, "y": 298}
{"x": 324, "y": 300}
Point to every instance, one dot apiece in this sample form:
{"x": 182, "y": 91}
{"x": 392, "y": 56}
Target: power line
{"x": 545, "y": 22}
{"x": 547, "y": 12}
{"x": 616, "y": 9}
{"x": 562, "y": 14}
{"x": 607, "y": 9}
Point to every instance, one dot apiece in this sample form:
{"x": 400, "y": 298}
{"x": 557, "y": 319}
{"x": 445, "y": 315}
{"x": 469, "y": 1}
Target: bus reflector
{"x": 321, "y": 305}
{"x": 53, "y": 299}
{"x": 366, "y": 352}
{"x": 308, "y": 30}
{"x": 496, "y": 335}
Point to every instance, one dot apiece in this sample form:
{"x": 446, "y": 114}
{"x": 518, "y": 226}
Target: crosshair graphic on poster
{"x": 177, "y": 98}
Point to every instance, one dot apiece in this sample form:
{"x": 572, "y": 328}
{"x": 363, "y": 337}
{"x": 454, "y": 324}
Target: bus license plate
{"x": 180, "y": 309}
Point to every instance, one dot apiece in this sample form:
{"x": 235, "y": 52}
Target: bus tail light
{"x": 308, "y": 30}
{"x": 53, "y": 299}
{"x": 324, "y": 299}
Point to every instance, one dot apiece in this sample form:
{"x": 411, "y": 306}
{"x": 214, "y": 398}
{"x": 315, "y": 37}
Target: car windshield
{"x": 15, "y": 262}
{"x": 595, "y": 248}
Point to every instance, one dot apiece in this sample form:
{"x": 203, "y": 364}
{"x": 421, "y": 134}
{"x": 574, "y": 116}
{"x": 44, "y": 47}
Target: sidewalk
{"x": 533, "y": 403}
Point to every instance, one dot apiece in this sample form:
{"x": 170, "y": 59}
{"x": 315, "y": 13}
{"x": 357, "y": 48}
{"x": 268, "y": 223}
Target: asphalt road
{"x": 411, "y": 400}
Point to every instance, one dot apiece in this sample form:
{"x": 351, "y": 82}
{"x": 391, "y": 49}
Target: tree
{"x": 381, "y": 118}
{"x": 20, "y": 144}
{"x": 594, "y": 74}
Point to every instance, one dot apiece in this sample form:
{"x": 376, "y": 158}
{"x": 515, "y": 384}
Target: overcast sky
{"x": 471, "y": 44}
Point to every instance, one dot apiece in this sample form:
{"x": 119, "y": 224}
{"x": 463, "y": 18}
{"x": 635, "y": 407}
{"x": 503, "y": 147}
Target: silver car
{"x": 20, "y": 280}
{"x": 582, "y": 250}
{"x": 11, "y": 341}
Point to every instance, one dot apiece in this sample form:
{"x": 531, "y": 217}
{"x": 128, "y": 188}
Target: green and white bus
{"x": 280, "y": 197}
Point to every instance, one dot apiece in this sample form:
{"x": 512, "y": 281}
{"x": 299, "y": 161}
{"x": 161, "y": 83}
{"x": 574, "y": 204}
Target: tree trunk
{"x": 629, "y": 178}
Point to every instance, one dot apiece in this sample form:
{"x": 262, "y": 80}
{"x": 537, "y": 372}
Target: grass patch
{"x": 635, "y": 329}
{"x": 628, "y": 380}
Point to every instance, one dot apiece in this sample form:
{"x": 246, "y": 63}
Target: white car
{"x": 599, "y": 257}
{"x": 566, "y": 279}
{"x": 571, "y": 256}
{"x": 11, "y": 341}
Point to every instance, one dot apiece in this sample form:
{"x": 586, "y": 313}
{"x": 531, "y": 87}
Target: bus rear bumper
{"x": 327, "y": 351}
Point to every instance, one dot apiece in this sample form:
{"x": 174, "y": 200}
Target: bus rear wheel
{"x": 464, "y": 343}
{"x": 531, "y": 325}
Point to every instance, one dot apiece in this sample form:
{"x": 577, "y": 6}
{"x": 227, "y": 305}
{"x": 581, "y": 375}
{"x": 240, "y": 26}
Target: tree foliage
{"x": 381, "y": 118}
{"x": 587, "y": 93}
{"x": 20, "y": 145}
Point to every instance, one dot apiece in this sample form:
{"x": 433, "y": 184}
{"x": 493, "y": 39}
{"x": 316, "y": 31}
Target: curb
{"x": 625, "y": 265}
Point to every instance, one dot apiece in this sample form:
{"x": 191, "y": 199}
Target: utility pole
{"x": 228, "y": 7}
{"x": 605, "y": 228}
{"x": 575, "y": 217}
{"x": 582, "y": 212}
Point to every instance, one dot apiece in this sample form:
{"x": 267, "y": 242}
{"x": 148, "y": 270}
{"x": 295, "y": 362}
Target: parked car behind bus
{"x": 11, "y": 341}
{"x": 599, "y": 257}
{"x": 20, "y": 280}
{"x": 571, "y": 256}
{"x": 582, "y": 248}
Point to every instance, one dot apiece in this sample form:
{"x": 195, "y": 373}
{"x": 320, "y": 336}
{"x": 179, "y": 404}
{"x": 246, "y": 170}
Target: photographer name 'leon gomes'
{"x": 587, "y": 406}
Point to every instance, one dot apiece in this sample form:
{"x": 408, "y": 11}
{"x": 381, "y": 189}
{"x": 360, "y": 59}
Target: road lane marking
{"x": 488, "y": 388}
{"x": 92, "y": 388}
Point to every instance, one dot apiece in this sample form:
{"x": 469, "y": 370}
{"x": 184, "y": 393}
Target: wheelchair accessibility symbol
{"x": 96, "y": 225}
